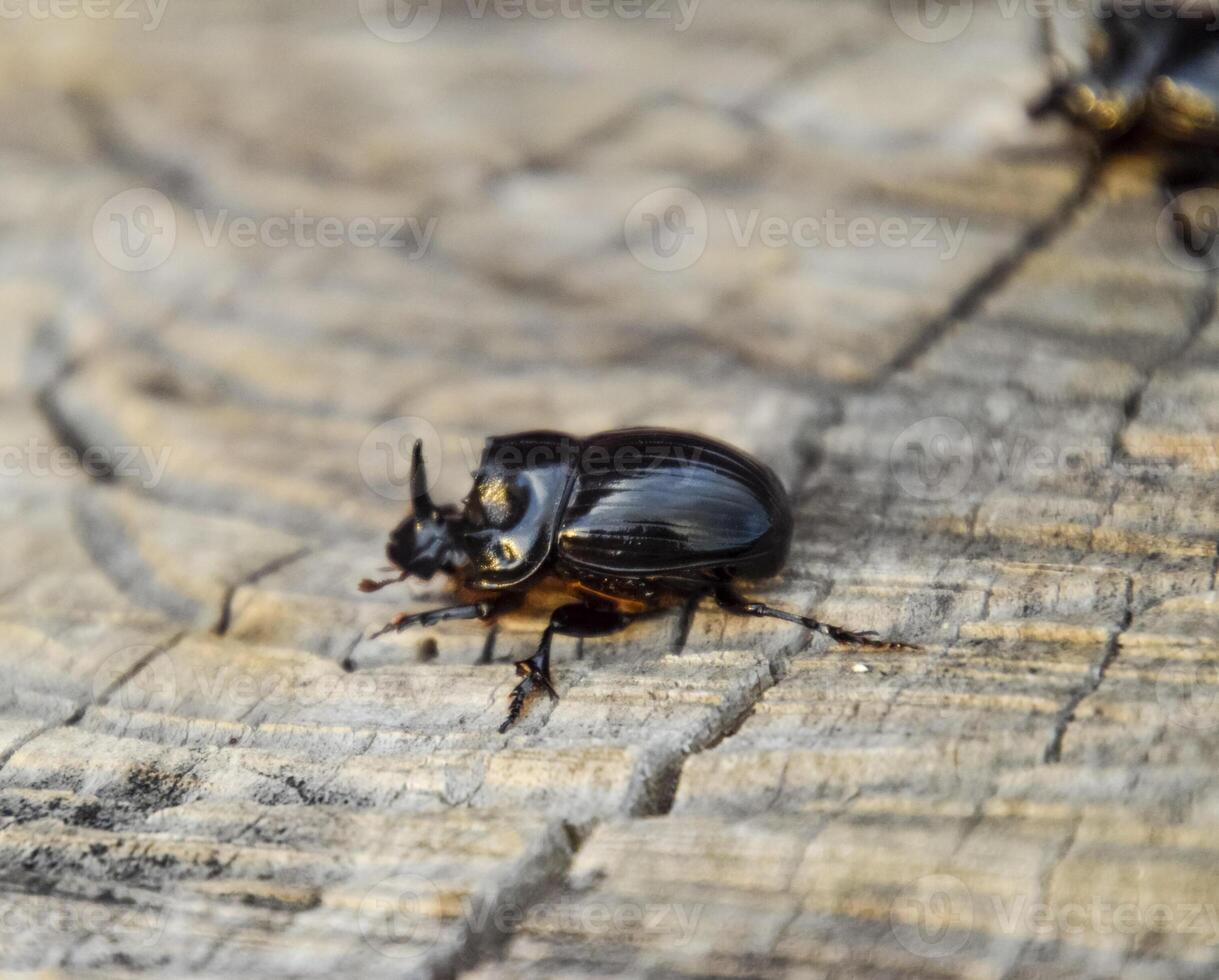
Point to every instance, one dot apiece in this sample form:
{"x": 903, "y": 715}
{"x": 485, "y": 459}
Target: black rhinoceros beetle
{"x": 626, "y": 522}
{"x": 1153, "y": 65}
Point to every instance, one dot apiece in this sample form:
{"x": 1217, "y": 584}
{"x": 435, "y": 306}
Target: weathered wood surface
{"x": 1008, "y": 454}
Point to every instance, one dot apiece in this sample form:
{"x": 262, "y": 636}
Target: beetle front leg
{"x": 574, "y": 619}
{"x": 732, "y": 601}
{"x": 474, "y": 610}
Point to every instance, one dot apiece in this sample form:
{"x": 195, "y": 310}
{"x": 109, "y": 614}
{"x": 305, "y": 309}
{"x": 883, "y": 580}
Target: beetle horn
{"x": 424, "y": 507}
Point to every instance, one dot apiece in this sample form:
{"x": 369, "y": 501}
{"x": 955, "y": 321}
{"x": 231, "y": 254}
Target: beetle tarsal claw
{"x": 534, "y": 679}
{"x": 863, "y": 639}
{"x": 398, "y": 623}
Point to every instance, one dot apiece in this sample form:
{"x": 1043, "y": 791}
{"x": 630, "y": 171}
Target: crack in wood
{"x": 1203, "y": 312}
{"x": 225, "y": 617}
{"x": 1095, "y": 675}
{"x": 73, "y": 718}
{"x": 971, "y": 299}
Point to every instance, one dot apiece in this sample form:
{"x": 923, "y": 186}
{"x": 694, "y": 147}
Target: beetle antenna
{"x": 424, "y": 508}
{"x": 372, "y": 585}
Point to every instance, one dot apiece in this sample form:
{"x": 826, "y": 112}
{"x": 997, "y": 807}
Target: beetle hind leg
{"x": 732, "y": 601}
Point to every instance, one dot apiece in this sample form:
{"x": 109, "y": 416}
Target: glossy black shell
{"x": 637, "y": 503}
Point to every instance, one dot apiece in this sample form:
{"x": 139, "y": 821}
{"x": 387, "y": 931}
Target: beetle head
{"x": 424, "y": 543}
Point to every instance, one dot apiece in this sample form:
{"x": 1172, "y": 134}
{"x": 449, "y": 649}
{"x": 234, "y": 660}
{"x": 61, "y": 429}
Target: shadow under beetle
{"x": 627, "y": 522}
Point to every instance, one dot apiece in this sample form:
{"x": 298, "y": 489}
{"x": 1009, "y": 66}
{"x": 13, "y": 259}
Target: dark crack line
{"x": 103, "y": 536}
{"x": 1204, "y": 310}
{"x": 111, "y": 144}
{"x": 544, "y": 875}
{"x": 1096, "y": 674}
{"x": 1036, "y": 238}
{"x": 74, "y": 718}
{"x": 1045, "y": 887}
{"x": 225, "y": 619}
{"x": 100, "y": 470}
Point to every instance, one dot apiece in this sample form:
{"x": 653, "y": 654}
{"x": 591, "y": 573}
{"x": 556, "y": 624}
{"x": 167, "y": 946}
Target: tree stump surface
{"x": 1003, "y": 446}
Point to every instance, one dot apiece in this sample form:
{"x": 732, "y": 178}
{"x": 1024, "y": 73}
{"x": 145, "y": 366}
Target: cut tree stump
{"x": 998, "y": 417}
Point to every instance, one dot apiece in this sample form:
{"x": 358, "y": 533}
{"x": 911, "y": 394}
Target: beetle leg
{"x": 536, "y": 674}
{"x": 475, "y": 610}
{"x": 732, "y": 601}
{"x": 573, "y": 619}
